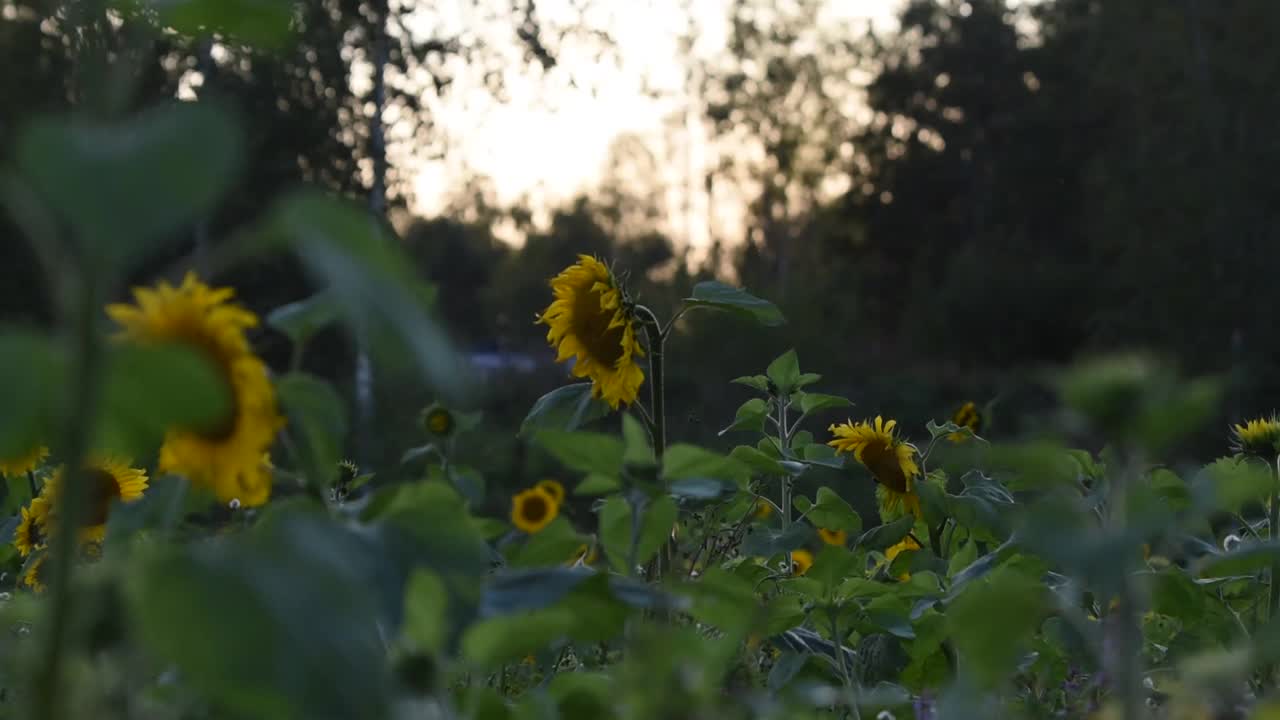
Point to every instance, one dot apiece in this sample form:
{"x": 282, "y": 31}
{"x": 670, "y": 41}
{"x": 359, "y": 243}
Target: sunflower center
{"x": 535, "y": 508}
{"x": 102, "y": 489}
{"x": 882, "y": 460}
{"x": 591, "y": 326}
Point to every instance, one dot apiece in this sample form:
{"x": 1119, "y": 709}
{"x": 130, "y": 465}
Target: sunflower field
{"x": 184, "y": 536}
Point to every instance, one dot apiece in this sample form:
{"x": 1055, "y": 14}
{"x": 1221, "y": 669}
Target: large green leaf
{"x": 318, "y": 422}
{"x": 750, "y": 416}
{"x": 833, "y": 513}
{"x": 656, "y": 520}
{"x": 125, "y": 185}
{"x": 586, "y": 452}
{"x": 690, "y": 461}
{"x": 784, "y": 372}
{"x": 717, "y": 295}
{"x": 261, "y": 23}
{"x": 372, "y": 284}
{"x": 276, "y": 623}
{"x": 304, "y": 318}
{"x": 992, "y": 620}
{"x": 565, "y": 408}
{"x": 34, "y": 375}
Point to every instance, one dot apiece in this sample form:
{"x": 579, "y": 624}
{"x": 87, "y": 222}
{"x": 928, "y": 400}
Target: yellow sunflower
{"x": 763, "y": 509}
{"x": 34, "y": 577}
{"x": 109, "y": 479}
{"x": 890, "y": 460}
{"x": 833, "y": 537}
{"x": 33, "y": 529}
{"x": 967, "y": 417}
{"x": 23, "y": 463}
{"x": 552, "y": 488}
{"x": 533, "y": 509}
{"x": 438, "y": 421}
{"x": 226, "y": 459}
{"x": 1260, "y": 437}
{"x": 591, "y": 323}
{"x": 801, "y": 561}
{"x": 907, "y": 543}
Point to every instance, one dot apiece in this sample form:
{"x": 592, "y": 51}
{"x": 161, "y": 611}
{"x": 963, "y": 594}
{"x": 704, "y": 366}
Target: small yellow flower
{"x": 552, "y": 488}
{"x": 764, "y": 509}
{"x": 907, "y": 544}
{"x": 967, "y": 417}
{"x": 890, "y": 460}
{"x": 1259, "y": 437}
{"x": 833, "y": 537}
{"x": 23, "y": 463}
{"x": 226, "y": 458}
{"x": 438, "y": 421}
{"x": 533, "y": 509}
{"x": 590, "y": 321}
{"x": 34, "y": 577}
{"x": 801, "y": 561}
{"x": 32, "y": 532}
{"x": 109, "y": 479}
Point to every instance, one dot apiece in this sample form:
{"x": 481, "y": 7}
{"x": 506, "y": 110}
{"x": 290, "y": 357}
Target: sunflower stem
{"x": 1273, "y": 519}
{"x": 31, "y": 482}
{"x": 71, "y": 501}
{"x": 657, "y": 394}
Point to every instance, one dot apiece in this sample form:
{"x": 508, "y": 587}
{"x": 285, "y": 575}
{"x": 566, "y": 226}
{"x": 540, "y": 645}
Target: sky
{"x": 550, "y": 138}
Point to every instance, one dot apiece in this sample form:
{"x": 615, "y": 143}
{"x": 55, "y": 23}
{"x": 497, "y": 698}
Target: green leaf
{"x": 832, "y": 512}
{"x": 701, "y": 489}
{"x": 150, "y": 389}
{"x": 1230, "y": 483}
{"x": 261, "y": 23}
{"x": 992, "y": 621}
{"x": 883, "y": 536}
{"x": 302, "y": 319}
{"x": 784, "y": 372}
{"x": 597, "y": 484}
{"x": 758, "y": 461}
{"x": 717, "y": 295}
{"x": 815, "y": 402}
{"x": 685, "y": 461}
{"x": 767, "y": 542}
{"x": 565, "y": 408}
{"x": 372, "y": 284}
{"x": 552, "y": 545}
{"x": 750, "y": 416}
{"x": 1246, "y": 559}
{"x": 759, "y": 382}
{"x": 426, "y": 603}
{"x": 831, "y": 566}
{"x": 524, "y": 590}
{"x": 160, "y": 508}
{"x": 34, "y": 380}
{"x": 261, "y": 642}
{"x": 636, "y": 441}
{"x": 125, "y": 185}
{"x": 587, "y": 452}
{"x": 506, "y": 638}
{"x": 318, "y": 421}
{"x": 656, "y": 519}
{"x": 821, "y": 454}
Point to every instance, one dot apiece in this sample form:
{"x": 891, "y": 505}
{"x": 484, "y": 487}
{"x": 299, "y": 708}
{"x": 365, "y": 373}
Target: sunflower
{"x": 890, "y": 460}
{"x": 108, "y": 479}
{"x": 438, "y": 421}
{"x": 34, "y": 577}
{"x": 907, "y": 544}
{"x": 552, "y": 488}
{"x": 833, "y": 537}
{"x": 33, "y": 529}
{"x": 533, "y": 509}
{"x": 763, "y": 509}
{"x": 24, "y": 462}
{"x": 966, "y": 417}
{"x": 225, "y": 458}
{"x": 801, "y": 561}
{"x": 1260, "y": 437}
{"x": 591, "y": 322}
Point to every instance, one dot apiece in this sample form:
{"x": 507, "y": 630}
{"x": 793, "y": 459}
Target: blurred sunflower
{"x": 801, "y": 561}
{"x": 1260, "y": 437}
{"x": 833, "y": 537}
{"x": 763, "y": 510}
{"x": 966, "y": 417}
{"x": 906, "y": 544}
{"x": 590, "y": 321}
{"x": 438, "y": 421}
{"x": 24, "y": 462}
{"x": 533, "y": 509}
{"x": 226, "y": 458}
{"x": 109, "y": 479}
{"x": 585, "y": 554}
{"x": 552, "y": 488}
{"x": 34, "y": 577}
{"x": 890, "y": 460}
{"x": 33, "y": 529}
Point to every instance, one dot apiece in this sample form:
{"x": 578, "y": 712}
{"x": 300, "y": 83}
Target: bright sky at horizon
{"x": 550, "y": 138}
